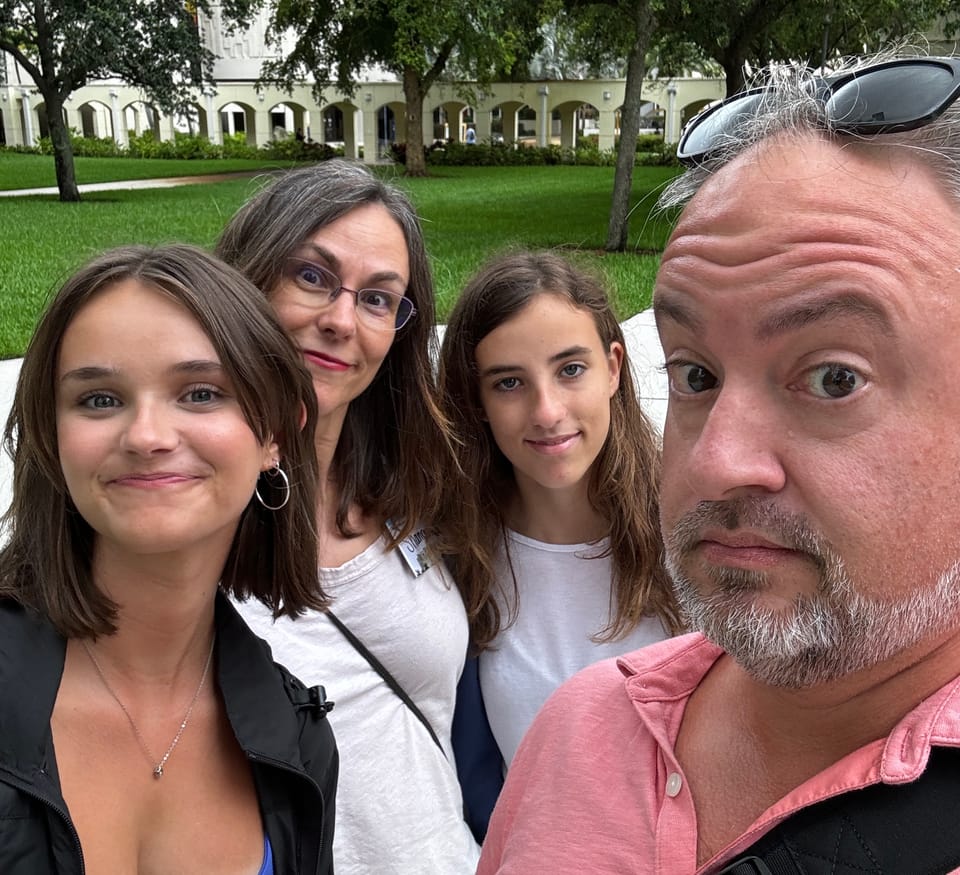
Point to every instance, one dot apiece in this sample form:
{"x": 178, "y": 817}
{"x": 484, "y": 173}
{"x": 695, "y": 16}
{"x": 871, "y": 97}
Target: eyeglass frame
{"x": 826, "y": 89}
{"x": 339, "y": 287}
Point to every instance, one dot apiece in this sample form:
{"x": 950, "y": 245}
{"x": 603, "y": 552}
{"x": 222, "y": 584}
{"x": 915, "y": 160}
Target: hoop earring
{"x": 275, "y": 471}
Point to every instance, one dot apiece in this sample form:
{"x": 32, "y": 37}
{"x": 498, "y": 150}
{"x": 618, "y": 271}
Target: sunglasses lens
{"x": 891, "y": 98}
{"x": 706, "y": 132}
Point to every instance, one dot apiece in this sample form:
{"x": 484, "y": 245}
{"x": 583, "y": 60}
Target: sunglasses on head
{"x": 897, "y": 95}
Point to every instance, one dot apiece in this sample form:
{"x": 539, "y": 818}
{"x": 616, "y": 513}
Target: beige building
{"x": 364, "y": 123}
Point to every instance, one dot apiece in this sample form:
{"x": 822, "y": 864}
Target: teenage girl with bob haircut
{"x": 339, "y": 254}
{"x": 552, "y": 517}
{"x": 161, "y": 437}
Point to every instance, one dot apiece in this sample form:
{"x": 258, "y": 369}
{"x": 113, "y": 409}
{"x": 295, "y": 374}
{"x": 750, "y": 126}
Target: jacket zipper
{"x": 61, "y": 813}
{"x": 286, "y": 767}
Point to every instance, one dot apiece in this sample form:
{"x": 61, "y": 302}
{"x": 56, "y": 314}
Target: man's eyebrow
{"x": 848, "y": 304}
{"x": 666, "y": 307}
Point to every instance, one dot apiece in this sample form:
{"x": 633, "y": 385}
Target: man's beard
{"x": 820, "y": 637}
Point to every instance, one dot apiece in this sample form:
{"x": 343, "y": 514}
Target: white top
{"x": 564, "y": 599}
{"x": 399, "y": 808}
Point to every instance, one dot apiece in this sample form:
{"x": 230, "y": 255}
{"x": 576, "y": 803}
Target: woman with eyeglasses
{"x": 340, "y": 256}
{"x": 143, "y": 727}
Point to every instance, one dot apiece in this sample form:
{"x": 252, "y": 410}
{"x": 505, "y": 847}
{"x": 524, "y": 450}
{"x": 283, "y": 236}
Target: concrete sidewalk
{"x": 643, "y": 347}
{"x": 128, "y": 184}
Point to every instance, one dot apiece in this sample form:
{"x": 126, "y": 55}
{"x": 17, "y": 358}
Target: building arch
{"x": 139, "y": 117}
{"x": 96, "y": 120}
{"x": 287, "y": 119}
{"x": 391, "y": 126}
{"x": 237, "y": 117}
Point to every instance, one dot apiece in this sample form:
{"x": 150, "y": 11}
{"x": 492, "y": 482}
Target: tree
{"x": 733, "y": 32}
{"x": 602, "y": 33}
{"x": 741, "y": 32}
{"x": 62, "y": 44}
{"x": 416, "y": 40}
{"x": 642, "y": 24}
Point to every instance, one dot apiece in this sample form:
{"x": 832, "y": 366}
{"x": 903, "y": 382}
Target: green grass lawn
{"x": 468, "y": 214}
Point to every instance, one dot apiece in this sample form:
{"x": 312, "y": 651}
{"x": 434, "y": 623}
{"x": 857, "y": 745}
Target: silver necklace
{"x": 156, "y": 765}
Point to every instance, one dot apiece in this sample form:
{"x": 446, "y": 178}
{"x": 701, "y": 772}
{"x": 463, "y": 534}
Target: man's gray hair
{"x": 789, "y": 107}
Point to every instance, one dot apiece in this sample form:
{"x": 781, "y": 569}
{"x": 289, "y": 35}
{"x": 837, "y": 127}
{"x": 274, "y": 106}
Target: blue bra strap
{"x": 267, "y": 866}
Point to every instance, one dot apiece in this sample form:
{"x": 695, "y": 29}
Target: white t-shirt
{"x": 399, "y": 808}
{"x": 564, "y": 599}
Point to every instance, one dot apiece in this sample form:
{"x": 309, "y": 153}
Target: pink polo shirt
{"x": 596, "y": 787}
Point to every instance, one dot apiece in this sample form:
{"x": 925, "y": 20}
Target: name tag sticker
{"x": 413, "y": 549}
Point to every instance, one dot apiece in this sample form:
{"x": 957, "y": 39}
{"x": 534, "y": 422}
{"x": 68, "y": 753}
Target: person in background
{"x": 340, "y": 257}
{"x": 552, "y": 511}
{"x": 161, "y": 442}
{"x": 808, "y": 303}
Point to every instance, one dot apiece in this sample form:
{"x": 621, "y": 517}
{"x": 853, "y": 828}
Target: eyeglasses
{"x": 898, "y": 95}
{"x": 388, "y": 311}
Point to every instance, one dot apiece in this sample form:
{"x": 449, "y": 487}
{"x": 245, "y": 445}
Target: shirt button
{"x": 674, "y": 783}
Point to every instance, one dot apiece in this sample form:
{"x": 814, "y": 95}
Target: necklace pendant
{"x": 158, "y": 771}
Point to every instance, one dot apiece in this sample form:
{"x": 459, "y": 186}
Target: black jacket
{"x": 278, "y": 723}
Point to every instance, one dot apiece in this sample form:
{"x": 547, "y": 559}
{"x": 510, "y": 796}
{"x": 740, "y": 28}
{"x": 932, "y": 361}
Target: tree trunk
{"x": 732, "y": 61}
{"x": 629, "y": 129}
{"x": 62, "y": 148}
{"x": 413, "y": 92}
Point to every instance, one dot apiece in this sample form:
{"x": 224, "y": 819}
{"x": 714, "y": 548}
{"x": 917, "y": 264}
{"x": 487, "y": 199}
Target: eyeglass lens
{"x": 890, "y": 96}
{"x": 376, "y": 307}
{"x": 900, "y": 95}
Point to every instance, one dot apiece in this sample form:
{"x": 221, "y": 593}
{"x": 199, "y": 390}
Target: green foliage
{"x": 651, "y": 152}
{"x": 292, "y": 149}
{"x": 154, "y": 45}
{"x": 417, "y": 41}
{"x": 734, "y": 32}
{"x": 236, "y": 146}
{"x": 189, "y": 147}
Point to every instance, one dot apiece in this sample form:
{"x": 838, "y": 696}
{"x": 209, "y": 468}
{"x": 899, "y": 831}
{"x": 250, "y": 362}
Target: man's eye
{"x": 834, "y": 381}
{"x": 688, "y": 378}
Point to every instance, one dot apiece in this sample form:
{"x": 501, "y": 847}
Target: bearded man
{"x": 808, "y": 304}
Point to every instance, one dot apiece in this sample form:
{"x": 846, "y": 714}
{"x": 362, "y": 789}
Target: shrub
{"x": 507, "y": 154}
{"x": 94, "y": 147}
{"x": 292, "y": 149}
{"x": 143, "y": 145}
{"x": 236, "y": 146}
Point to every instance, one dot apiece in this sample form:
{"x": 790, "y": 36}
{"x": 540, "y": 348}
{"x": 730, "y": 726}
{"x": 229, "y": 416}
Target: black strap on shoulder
{"x": 885, "y": 829}
{"x": 388, "y": 678}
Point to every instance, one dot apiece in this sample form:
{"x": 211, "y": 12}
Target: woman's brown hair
{"x": 394, "y": 436}
{"x": 623, "y": 485}
{"x": 46, "y": 561}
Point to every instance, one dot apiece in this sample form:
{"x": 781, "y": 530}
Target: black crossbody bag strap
{"x": 888, "y": 829}
{"x": 388, "y": 678}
